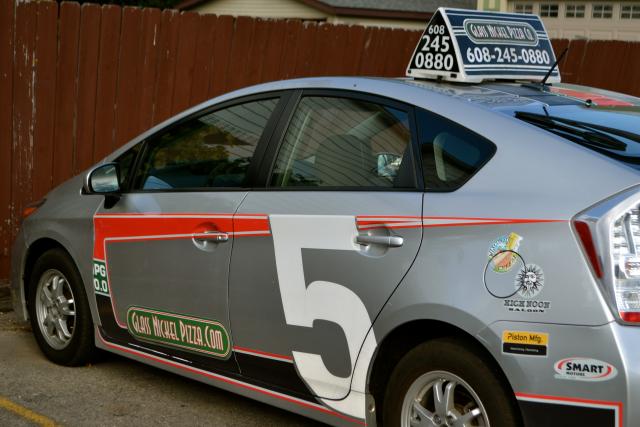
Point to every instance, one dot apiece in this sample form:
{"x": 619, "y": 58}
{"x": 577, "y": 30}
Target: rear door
{"x": 162, "y": 252}
{"x": 342, "y": 223}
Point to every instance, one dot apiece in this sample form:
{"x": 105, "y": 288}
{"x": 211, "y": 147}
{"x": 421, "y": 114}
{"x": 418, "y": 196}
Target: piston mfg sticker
{"x": 584, "y": 369}
{"x": 188, "y": 333}
{"x": 525, "y": 343}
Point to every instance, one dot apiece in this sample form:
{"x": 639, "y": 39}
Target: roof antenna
{"x": 553, "y": 67}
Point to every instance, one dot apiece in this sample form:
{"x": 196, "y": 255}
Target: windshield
{"x": 614, "y": 132}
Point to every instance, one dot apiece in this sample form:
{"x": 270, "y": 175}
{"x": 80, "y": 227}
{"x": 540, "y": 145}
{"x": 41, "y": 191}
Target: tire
{"x": 436, "y": 364}
{"x": 56, "y": 298}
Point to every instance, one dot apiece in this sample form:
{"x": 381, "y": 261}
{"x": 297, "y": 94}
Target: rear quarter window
{"x": 451, "y": 153}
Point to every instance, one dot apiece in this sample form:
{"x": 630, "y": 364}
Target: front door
{"x": 162, "y": 252}
{"x": 345, "y": 225}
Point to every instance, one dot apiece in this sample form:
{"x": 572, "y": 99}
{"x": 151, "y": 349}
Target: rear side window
{"x": 345, "y": 143}
{"x": 213, "y": 150}
{"x": 451, "y": 154}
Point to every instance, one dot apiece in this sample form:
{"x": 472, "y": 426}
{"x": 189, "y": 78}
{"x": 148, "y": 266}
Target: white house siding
{"x": 614, "y": 28}
{"x": 376, "y": 22}
{"x": 297, "y": 10}
{"x": 262, "y": 8}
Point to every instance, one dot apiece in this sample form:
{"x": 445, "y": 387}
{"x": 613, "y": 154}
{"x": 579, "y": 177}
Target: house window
{"x": 575, "y": 11}
{"x": 523, "y": 8}
{"x": 602, "y": 11}
{"x": 549, "y": 10}
{"x": 631, "y": 11}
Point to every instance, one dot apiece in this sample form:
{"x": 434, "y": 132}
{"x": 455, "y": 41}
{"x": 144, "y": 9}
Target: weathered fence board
{"x": 76, "y": 82}
{"x": 87, "y": 83}
{"x": 148, "y": 71}
{"x": 165, "y": 81}
{"x": 45, "y": 91}
{"x": 67, "y": 92}
{"x": 128, "y": 92}
{"x": 6, "y": 130}
{"x": 103, "y": 139}
{"x": 24, "y": 97}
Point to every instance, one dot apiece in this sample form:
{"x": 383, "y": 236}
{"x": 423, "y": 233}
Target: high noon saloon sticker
{"x": 175, "y": 330}
{"x": 508, "y": 277}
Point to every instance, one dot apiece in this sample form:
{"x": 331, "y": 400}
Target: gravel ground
{"x": 115, "y": 391}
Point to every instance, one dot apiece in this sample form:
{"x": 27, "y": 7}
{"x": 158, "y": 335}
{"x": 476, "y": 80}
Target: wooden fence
{"x": 76, "y": 82}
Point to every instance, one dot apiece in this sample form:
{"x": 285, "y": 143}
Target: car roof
{"x": 497, "y": 95}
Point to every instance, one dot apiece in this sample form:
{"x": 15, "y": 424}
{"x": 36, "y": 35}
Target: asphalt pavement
{"x": 113, "y": 392}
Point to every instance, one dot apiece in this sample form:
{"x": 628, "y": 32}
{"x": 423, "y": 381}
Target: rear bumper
{"x": 18, "y": 257}
{"x": 550, "y": 395}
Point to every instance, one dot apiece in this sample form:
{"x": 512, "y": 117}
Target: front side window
{"x": 602, "y": 11}
{"x": 342, "y": 142}
{"x": 549, "y": 10}
{"x": 213, "y": 150}
{"x": 451, "y": 154}
{"x": 574, "y": 11}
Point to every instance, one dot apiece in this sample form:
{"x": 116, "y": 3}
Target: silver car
{"x": 362, "y": 251}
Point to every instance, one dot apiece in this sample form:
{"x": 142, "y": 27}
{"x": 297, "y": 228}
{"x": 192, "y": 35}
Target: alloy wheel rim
{"x": 442, "y": 399}
{"x": 55, "y": 309}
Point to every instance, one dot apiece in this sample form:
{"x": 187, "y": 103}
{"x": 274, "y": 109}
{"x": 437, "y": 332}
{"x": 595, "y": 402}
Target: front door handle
{"x": 211, "y": 236}
{"x": 390, "y": 241}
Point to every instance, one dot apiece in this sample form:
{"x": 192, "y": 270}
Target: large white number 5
{"x": 321, "y": 300}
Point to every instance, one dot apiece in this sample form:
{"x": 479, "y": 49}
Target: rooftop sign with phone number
{"x": 472, "y": 46}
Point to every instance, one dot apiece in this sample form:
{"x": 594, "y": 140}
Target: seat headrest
{"x": 443, "y": 146}
{"x": 346, "y": 160}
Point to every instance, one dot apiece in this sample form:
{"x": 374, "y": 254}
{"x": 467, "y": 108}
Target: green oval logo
{"x": 482, "y": 31}
{"x": 176, "y": 330}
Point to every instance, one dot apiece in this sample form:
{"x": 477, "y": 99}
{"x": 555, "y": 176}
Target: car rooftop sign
{"x": 472, "y": 46}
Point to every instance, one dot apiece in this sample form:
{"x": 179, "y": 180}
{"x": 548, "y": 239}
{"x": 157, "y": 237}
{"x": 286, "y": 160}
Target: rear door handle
{"x": 211, "y": 236}
{"x": 390, "y": 241}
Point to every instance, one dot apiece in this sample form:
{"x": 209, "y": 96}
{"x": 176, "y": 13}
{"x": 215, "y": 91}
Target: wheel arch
{"x": 34, "y": 251}
{"x": 400, "y": 340}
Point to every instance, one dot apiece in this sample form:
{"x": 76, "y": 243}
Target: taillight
{"x": 609, "y": 233}
{"x": 582, "y": 228}
{"x": 624, "y": 242}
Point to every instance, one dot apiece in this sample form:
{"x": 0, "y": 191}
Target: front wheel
{"x": 59, "y": 311}
{"x": 444, "y": 383}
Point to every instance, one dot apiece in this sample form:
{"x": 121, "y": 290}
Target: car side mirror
{"x": 105, "y": 179}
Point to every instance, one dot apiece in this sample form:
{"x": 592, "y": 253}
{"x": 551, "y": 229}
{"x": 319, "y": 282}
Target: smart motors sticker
{"x": 584, "y": 369}
{"x": 525, "y": 343}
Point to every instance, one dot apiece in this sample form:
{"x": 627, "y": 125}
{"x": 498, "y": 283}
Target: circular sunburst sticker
{"x": 529, "y": 281}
